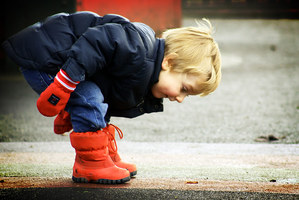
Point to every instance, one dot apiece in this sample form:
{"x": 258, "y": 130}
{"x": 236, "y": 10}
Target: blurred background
{"x": 257, "y": 101}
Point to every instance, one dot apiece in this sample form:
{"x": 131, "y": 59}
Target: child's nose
{"x": 180, "y": 98}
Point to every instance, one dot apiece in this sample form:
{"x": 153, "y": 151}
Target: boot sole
{"x": 101, "y": 181}
{"x": 133, "y": 173}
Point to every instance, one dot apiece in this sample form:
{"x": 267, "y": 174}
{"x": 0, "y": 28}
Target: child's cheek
{"x": 173, "y": 92}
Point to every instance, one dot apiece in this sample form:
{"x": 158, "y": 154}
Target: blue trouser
{"x": 86, "y": 104}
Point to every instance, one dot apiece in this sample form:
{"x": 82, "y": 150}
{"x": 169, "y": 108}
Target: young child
{"x": 88, "y": 68}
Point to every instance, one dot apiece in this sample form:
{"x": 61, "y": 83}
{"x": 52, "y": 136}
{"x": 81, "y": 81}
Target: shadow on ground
{"x": 94, "y": 193}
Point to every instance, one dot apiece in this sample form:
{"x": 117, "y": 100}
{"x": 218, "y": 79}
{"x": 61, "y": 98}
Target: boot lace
{"x": 112, "y": 138}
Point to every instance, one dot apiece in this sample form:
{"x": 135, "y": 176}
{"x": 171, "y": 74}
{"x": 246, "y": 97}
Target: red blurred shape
{"x": 158, "y": 14}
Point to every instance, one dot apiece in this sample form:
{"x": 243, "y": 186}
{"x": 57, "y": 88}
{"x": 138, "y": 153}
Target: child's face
{"x": 174, "y": 86}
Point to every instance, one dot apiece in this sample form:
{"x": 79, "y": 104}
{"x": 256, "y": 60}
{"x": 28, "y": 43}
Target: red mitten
{"x": 57, "y": 94}
{"x": 62, "y": 123}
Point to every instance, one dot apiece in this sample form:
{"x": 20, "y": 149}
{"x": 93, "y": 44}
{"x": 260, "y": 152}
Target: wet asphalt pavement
{"x": 94, "y": 193}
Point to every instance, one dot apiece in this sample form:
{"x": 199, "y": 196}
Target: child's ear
{"x": 166, "y": 63}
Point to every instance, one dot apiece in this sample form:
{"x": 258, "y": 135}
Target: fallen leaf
{"x": 191, "y": 182}
{"x": 268, "y": 138}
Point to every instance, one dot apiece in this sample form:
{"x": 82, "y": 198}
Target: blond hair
{"x": 194, "y": 51}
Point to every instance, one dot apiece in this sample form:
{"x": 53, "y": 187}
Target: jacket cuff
{"x": 75, "y": 71}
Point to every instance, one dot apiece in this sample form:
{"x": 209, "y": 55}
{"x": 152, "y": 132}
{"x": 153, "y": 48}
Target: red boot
{"x": 62, "y": 123}
{"x": 113, "y": 150}
{"x": 93, "y": 163}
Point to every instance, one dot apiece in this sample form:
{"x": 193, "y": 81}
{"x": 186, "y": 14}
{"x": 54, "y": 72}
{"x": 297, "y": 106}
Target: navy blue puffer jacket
{"x": 123, "y": 58}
